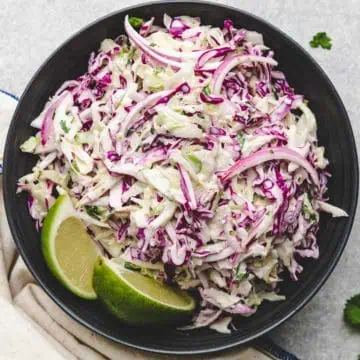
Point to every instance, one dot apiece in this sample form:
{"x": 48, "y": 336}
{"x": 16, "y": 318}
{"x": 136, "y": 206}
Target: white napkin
{"x": 32, "y": 326}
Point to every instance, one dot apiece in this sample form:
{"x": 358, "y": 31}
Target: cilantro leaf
{"x": 130, "y": 266}
{"x": 241, "y": 139}
{"x": 352, "y": 311}
{"x": 93, "y": 211}
{"x": 135, "y": 22}
{"x": 64, "y": 126}
{"x": 206, "y": 90}
{"x": 310, "y": 196}
{"x": 321, "y": 39}
{"x": 310, "y": 215}
{"x": 240, "y": 275}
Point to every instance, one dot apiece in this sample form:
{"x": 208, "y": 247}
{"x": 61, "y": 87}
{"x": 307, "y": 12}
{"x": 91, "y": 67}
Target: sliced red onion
{"x": 175, "y": 56}
{"x": 187, "y": 188}
{"x": 261, "y": 156}
{"x": 167, "y": 54}
{"x": 48, "y": 125}
{"x": 212, "y": 53}
{"x": 230, "y": 63}
{"x": 145, "y": 47}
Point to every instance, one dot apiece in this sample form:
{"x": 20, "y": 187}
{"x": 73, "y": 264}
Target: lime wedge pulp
{"x": 137, "y": 299}
{"x": 68, "y": 249}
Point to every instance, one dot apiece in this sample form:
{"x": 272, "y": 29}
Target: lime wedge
{"x": 69, "y": 251}
{"x": 137, "y": 299}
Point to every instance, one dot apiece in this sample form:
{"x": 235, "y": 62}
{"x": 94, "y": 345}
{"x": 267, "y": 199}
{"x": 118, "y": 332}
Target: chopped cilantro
{"x": 135, "y": 22}
{"x": 131, "y": 266}
{"x": 206, "y": 90}
{"x": 310, "y": 196}
{"x": 64, "y": 126}
{"x": 308, "y": 213}
{"x": 321, "y": 39}
{"x": 352, "y": 311}
{"x": 241, "y": 139}
{"x": 240, "y": 275}
{"x": 93, "y": 211}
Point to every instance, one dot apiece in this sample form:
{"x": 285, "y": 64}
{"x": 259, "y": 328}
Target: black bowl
{"x": 70, "y": 60}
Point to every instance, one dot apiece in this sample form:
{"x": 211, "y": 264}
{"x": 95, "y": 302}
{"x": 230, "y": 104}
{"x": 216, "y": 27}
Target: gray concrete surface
{"x": 31, "y": 30}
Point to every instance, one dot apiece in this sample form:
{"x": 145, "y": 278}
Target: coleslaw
{"x": 189, "y": 158}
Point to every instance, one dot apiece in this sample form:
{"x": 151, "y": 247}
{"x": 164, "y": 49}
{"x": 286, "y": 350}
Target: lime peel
{"x": 137, "y": 299}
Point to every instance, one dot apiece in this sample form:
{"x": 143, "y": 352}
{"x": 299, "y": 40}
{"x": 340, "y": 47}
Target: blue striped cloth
{"x": 9, "y": 94}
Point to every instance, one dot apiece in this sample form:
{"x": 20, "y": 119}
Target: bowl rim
{"x": 276, "y": 322}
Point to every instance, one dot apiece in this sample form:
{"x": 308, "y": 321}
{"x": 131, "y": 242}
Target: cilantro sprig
{"x": 241, "y": 139}
{"x": 206, "y": 90}
{"x": 94, "y": 211}
{"x": 352, "y": 312}
{"x": 239, "y": 274}
{"x": 135, "y": 22}
{"x": 321, "y": 39}
{"x": 64, "y": 127}
{"x": 130, "y": 266}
